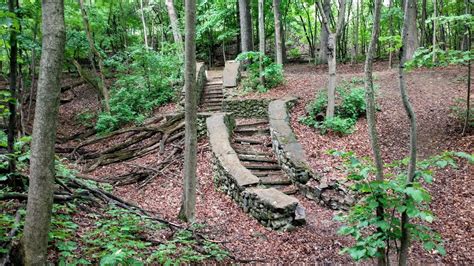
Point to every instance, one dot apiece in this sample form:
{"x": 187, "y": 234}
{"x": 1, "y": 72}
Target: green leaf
{"x": 357, "y": 253}
{"x": 416, "y": 194}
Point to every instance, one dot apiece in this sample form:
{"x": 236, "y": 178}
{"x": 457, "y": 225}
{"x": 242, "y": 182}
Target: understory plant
{"x": 146, "y": 79}
{"x": 372, "y": 234}
{"x": 351, "y": 99}
{"x": 118, "y": 237}
{"x": 271, "y": 72}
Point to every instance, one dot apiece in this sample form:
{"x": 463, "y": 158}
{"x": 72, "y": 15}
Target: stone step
{"x": 252, "y": 124}
{"x": 214, "y": 82}
{"x": 214, "y": 95}
{"x": 253, "y": 158}
{"x": 288, "y": 190}
{"x": 213, "y": 92}
{"x": 263, "y": 173}
{"x": 275, "y": 180}
{"x": 213, "y": 108}
{"x": 252, "y": 131}
{"x": 248, "y": 152}
{"x": 248, "y": 141}
{"x": 212, "y": 104}
{"x": 262, "y": 167}
{"x": 213, "y": 100}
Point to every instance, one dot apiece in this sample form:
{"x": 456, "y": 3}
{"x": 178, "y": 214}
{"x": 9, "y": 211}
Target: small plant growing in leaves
{"x": 396, "y": 196}
{"x": 273, "y": 73}
{"x": 352, "y": 106}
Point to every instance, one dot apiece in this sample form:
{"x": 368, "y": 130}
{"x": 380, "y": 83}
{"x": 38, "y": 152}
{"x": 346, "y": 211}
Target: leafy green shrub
{"x": 272, "y": 72}
{"x": 395, "y": 195}
{"x": 148, "y": 80}
{"x": 352, "y": 106}
{"x": 294, "y": 53}
{"x": 339, "y": 125}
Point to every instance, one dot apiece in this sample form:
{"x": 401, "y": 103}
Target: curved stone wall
{"x": 247, "y": 108}
{"x": 271, "y": 207}
{"x": 292, "y": 158}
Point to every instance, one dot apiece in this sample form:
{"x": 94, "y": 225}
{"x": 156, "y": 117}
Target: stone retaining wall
{"x": 292, "y": 159}
{"x": 246, "y": 108}
{"x": 271, "y": 207}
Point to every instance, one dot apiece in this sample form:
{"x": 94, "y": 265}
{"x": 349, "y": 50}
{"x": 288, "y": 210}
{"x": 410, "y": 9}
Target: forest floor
{"x": 432, "y": 93}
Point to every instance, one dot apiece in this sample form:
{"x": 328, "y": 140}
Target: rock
{"x": 231, "y": 73}
{"x": 300, "y": 215}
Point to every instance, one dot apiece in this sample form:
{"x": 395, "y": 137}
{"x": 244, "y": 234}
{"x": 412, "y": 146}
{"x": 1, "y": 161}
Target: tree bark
{"x": 331, "y": 54}
{"x": 187, "y": 212}
{"x": 278, "y": 31}
{"x": 405, "y": 234}
{"x": 370, "y": 110}
{"x": 42, "y": 171}
{"x": 261, "y": 36}
{"x": 13, "y": 82}
{"x": 174, "y": 22}
{"x": 324, "y": 35}
{"x": 435, "y": 24}
{"x": 142, "y": 16}
{"x": 467, "y": 46}
{"x": 103, "y": 87}
{"x": 412, "y": 31}
{"x": 245, "y": 26}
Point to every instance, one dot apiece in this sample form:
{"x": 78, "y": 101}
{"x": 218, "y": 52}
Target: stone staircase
{"x": 252, "y": 143}
{"x": 213, "y": 94}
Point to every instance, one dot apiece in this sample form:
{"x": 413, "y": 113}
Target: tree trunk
{"x": 324, "y": 35}
{"x": 174, "y": 23}
{"x": 42, "y": 171}
{"x": 423, "y": 39}
{"x": 331, "y": 59}
{"x": 142, "y": 16}
{"x": 245, "y": 26}
{"x": 261, "y": 35}
{"x": 405, "y": 234}
{"x": 103, "y": 88}
{"x": 278, "y": 31}
{"x": 435, "y": 23}
{"x": 392, "y": 32}
{"x": 190, "y": 142}
{"x": 13, "y": 83}
{"x": 370, "y": 110}
{"x": 467, "y": 41}
{"x": 412, "y": 31}
{"x": 331, "y": 49}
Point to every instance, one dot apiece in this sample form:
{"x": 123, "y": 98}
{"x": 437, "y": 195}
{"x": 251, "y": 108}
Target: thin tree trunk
{"x": 278, "y": 31}
{"x": 103, "y": 87}
{"x": 412, "y": 31}
{"x": 405, "y": 234}
{"x": 435, "y": 23}
{"x": 423, "y": 39}
{"x": 390, "y": 56}
{"x": 261, "y": 35}
{"x": 331, "y": 49}
{"x": 187, "y": 212}
{"x": 245, "y": 26}
{"x": 371, "y": 120}
{"x": 32, "y": 73}
{"x": 42, "y": 171}
{"x": 467, "y": 45}
{"x": 324, "y": 35}
{"x": 174, "y": 23}
{"x": 13, "y": 92}
{"x": 142, "y": 15}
